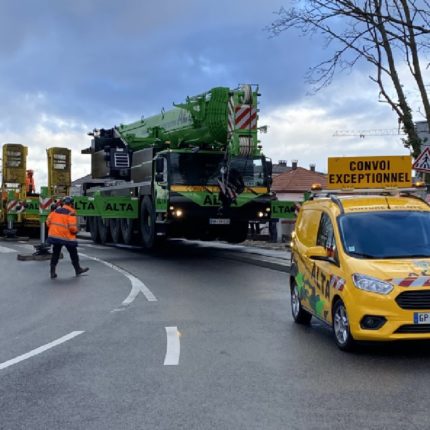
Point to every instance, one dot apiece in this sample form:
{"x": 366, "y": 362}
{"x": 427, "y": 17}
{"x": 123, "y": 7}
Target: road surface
{"x": 197, "y": 337}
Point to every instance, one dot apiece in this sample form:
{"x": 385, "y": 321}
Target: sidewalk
{"x": 265, "y": 254}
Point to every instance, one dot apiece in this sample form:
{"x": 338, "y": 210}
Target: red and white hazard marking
{"x": 230, "y": 116}
{"x": 45, "y": 203}
{"x": 15, "y": 206}
{"x": 337, "y": 282}
{"x": 411, "y": 281}
{"x": 11, "y": 205}
{"x": 245, "y": 117}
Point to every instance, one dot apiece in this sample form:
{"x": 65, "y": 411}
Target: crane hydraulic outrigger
{"x": 195, "y": 171}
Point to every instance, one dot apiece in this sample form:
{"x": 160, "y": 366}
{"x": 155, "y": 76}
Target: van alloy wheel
{"x": 300, "y": 315}
{"x": 295, "y": 302}
{"x": 341, "y": 329}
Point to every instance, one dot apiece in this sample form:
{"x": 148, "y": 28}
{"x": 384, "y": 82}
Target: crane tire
{"x": 147, "y": 223}
{"x": 104, "y": 229}
{"x": 115, "y": 230}
{"x": 127, "y": 230}
{"x": 94, "y": 231}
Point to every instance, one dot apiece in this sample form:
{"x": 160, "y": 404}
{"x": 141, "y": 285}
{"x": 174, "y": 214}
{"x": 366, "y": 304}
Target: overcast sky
{"x": 67, "y": 67}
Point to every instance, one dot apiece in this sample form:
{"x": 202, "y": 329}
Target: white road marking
{"x": 5, "y": 250}
{"x": 28, "y": 247}
{"x": 137, "y": 285}
{"x": 90, "y": 245}
{"x": 173, "y": 349}
{"x": 40, "y": 349}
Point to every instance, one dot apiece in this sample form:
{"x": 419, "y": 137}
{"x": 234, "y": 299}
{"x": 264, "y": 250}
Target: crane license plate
{"x": 421, "y": 317}
{"x": 219, "y": 221}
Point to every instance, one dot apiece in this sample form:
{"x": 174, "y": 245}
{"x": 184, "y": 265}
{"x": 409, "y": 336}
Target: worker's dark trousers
{"x": 73, "y": 251}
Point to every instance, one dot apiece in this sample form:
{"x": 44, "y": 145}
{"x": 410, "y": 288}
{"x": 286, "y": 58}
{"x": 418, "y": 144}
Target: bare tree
{"x": 391, "y": 35}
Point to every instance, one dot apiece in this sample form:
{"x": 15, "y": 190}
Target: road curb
{"x": 262, "y": 261}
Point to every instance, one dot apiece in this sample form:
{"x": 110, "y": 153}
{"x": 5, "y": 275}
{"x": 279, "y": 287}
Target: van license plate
{"x": 219, "y": 221}
{"x": 421, "y": 317}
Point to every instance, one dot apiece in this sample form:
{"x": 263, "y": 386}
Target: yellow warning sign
{"x": 369, "y": 172}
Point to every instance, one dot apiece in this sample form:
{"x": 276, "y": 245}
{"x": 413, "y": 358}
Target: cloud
{"x": 304, "y": 131}
{"x": 69, "y": 67}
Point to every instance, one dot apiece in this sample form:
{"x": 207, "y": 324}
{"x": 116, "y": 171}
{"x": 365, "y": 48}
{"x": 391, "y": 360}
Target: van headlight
{"x": 367, "y": 283}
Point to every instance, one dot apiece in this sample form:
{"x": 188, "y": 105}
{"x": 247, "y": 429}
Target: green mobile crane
{"x": 195, "y": 171}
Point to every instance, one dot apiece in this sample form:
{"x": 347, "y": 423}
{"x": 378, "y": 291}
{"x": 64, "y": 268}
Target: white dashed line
{"x": 173, "y": 349}
{"x": 40, "y": 349}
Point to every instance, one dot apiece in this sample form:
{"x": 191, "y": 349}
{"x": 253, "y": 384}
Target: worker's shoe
{"x": 81, "y": 270}
{"x": 53, "y": 274}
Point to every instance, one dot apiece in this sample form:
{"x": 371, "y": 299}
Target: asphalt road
{"x": 196, "y": 337}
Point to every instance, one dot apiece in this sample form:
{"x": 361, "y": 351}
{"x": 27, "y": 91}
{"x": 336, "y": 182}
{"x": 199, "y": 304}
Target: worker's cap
{"x": 67, "y": 200}
{"x": 29, "y": 171}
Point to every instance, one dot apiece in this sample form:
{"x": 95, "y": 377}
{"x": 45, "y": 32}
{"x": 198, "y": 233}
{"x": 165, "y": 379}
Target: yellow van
{"x": 361, "y": 264}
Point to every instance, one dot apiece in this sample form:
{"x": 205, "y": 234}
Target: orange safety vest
{"x": 29, "y": 183}
{"x": 62, "y": 226}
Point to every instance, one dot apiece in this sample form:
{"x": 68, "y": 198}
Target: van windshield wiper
{"x": 408, "y": 256}
{"x": 361, "y": 254}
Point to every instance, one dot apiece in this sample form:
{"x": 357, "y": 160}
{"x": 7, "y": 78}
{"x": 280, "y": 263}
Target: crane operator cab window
{"x": 251, "y": 169}
{"x": 195, "y": 169}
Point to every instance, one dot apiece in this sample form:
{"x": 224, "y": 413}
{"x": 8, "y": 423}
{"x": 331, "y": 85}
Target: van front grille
{"x": 414, "y": 328}
{"x": 414, "y": 300}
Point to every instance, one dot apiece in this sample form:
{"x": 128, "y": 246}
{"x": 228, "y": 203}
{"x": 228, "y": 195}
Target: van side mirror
{"x": 317, "y": 253}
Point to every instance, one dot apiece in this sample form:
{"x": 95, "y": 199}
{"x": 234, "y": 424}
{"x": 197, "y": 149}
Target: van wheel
{"x": 147, "y": 223}
{"x": 342, "y": 334}
{"x": 115, "y": 230}
{"x": 299, "y": 314}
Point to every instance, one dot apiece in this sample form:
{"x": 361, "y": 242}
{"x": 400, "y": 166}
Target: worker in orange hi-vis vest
{"x": 29, "y": 182}
{"x": 62, "y": 228}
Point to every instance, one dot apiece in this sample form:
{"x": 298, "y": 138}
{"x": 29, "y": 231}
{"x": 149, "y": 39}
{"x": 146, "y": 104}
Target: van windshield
{"x": 388, "y": 234}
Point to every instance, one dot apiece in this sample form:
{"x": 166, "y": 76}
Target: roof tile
{"x": 298, "y": 180}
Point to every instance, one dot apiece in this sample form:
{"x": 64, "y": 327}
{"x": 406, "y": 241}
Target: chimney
{"x": 294, "y": 164}
{"x": 282, "y": 163}
{"x": 312, "y": 167}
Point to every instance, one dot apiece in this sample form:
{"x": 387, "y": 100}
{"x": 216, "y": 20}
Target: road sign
{"x": 369, "y": 172}
{"x": 422, "y": 163}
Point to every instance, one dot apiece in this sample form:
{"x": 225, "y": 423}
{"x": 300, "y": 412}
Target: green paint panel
{"x": 107, "y": 207}
{"x": 161, "y": 199}
{"x": 203, "y": 198}
{"x": 283, "y": 209}
{"x": 32, "y": 206}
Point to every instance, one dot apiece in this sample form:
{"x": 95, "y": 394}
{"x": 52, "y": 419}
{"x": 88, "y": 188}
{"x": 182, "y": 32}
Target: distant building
{"x": 279, "y": 168}
{"x": 291, "y": 186}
